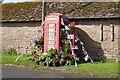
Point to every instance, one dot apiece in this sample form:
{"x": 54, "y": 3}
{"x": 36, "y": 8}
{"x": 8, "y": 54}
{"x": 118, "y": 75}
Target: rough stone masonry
{"x": 100, "y": 36}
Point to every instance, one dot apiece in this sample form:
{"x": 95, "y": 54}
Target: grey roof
{"x": 32, "y": 11}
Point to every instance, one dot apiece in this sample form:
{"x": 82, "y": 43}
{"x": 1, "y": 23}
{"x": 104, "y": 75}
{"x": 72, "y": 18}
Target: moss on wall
{"x": 33, "y": 10}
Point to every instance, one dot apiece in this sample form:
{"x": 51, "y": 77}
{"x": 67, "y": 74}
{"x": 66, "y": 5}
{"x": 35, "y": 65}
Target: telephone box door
{"x": 52, "y": 32}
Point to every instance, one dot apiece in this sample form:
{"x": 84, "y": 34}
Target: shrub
{"x": 10, "y": 51}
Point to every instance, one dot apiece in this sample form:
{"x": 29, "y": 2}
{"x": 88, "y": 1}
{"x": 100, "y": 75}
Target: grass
{"x": 107, "y": 69}
{"x": 6, "y": 59}
{"x": 10, "y": 59}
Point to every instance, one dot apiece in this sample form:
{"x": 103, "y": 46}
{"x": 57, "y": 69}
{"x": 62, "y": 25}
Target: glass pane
{"x": 51, "y": 34}
{"x": 51, "y": 27}
{"x": 51, "y": 42}
{"x": 51, "y": 46}
{"x": 51, "y": 38}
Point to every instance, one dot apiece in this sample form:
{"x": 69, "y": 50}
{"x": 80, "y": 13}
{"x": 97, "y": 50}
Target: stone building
{"x": 97, "y": 24}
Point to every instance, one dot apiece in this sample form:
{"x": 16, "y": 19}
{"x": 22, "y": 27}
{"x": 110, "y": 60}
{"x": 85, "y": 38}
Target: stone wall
{"x": 18, "y": 34}
{"x": 89, "y": 32}
{"x": 15, "y": 34}
{"x": 118, "y": 44}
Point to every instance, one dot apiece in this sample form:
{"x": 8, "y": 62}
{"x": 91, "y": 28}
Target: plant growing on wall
{"x": 10, "y": 51}
{"x": 39, "y": 41}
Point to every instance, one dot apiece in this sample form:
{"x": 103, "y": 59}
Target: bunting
{"x": 86, "y": 57}
{"x": 18, "y": 58}
{"x": 77, "y": 38}
{"x": 84, "y": 50}
{"x": 62, "y": 22}
{"x": 74, "y": 47}
{"x": 33, "y": 40}
{"x": 70, "y": 36}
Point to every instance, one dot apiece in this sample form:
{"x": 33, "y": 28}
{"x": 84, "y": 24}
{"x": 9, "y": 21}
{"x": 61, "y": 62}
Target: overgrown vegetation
{"x": 10, "y": 51}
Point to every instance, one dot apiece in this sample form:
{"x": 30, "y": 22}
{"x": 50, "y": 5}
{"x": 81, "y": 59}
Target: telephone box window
{"x": 51, "y": 36}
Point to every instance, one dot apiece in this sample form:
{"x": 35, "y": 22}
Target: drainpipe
{"x": 43, "y": 10}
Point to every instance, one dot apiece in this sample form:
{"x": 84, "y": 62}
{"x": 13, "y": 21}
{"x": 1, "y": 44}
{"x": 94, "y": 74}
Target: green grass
{"x": 6, "y": 59}
{"x": 107, "y": 69}
{"x": 10, "y": 59}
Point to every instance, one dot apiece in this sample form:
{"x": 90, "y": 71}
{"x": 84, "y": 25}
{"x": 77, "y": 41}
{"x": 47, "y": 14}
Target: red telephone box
{"x": 52, "y": 32}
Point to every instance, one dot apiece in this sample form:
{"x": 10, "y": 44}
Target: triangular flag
{"x": 75, "y": 47}
{"x": 83, "y": 49}
{"x": 24, "y": 50}
{"x": 86, "y": 57}
{"x": 39, "y": 30}
{"x": 62, "y": 22}
{"x": 81, "y": 43}
{"x": 70, "y": 36}
{"x": 34, "y": 39}
{"x": 77, "y": 38}
{"x": 73, "y": 54}
{"x": 66, "y": 28}
{"x": 76, "y": 63}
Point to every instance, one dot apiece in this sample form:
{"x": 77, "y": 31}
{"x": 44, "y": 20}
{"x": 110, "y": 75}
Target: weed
{"x": 10, "y": 51}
